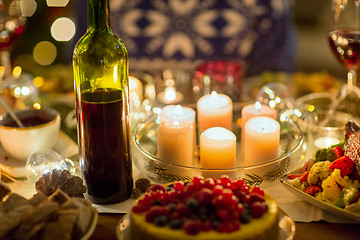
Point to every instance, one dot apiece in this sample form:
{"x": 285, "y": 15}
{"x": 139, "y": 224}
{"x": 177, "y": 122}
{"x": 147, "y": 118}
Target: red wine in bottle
{"x": 101, "y": 72}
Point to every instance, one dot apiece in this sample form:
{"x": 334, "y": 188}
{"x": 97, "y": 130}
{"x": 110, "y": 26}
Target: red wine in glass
{"x": 345, "y": 44}
{"x": 10, "y": 31}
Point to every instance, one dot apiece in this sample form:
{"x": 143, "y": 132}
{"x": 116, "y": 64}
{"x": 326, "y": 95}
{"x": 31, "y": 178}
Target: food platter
{"x": 323, "y": 205}
{"x": 286, "y": 227}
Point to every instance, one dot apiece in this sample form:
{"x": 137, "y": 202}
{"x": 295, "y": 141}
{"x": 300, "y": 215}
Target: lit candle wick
{"x": 178, "y": 111}
{"x": 176, "y": 124}
{"x": 258, "y": 106}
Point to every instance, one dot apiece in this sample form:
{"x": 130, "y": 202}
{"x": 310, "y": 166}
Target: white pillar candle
{"x": 178, "y": 113}
{"x": 218, "y": 151}
{"x": 254, "y": 110}
{"x": 214, "y": 110}
{"x": 262, "y": 139}
{"x": 175, "y": 142}
{"x": 181, "y": 114}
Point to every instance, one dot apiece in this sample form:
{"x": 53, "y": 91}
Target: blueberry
{"x": 192, "y": 203}
{"x": 245, "y": 217}
{"x": 175, "y": 224}
{"x": 214, "y": 224}
{"x": 203, "y": 210}
{"x": 157, "y": 202}
{"x": 170, "y": 187}
{"x": 172, "y": 206}
{"x": 161, "y": 221}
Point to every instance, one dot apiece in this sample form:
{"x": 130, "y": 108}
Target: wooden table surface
{"x": 304, "y": 231}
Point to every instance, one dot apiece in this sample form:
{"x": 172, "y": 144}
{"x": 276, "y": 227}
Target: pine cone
{"x": 142, "y": 184}
{"x": 136, "y": 192}
{"x": 61, "y": 179}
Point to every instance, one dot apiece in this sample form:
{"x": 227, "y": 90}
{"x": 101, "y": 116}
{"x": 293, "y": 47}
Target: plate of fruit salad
{"x": 331, "y": 180}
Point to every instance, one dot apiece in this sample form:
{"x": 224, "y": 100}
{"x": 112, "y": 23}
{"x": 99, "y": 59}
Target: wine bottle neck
{"x": 98, "y": 15}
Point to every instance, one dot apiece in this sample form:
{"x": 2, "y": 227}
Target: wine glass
{"x": 344, "y": 39}
{"x": 12, "y": 25}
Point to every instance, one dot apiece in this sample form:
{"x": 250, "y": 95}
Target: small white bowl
{"x": 22, "y": 142}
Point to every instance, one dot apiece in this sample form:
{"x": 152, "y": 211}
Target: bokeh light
{"x": 57, "y": 3}
{"x": 62, "y": 29}
{"x": 44, "y": 53}
{"x": 28, "y": 7}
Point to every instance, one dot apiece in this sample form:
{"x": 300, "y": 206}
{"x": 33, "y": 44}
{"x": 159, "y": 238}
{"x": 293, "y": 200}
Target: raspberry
{"x": 222, "y": 227}
{"x": 257, "y": 209}
{"x": 183, "y": 210}
{"x": 254, "y": 197}
{"x": 239, "y": 183}
{"x": 190, "y": 189}
{"x": 205, "y": 196}
{"x": 139, "y": 209}
{"x": 225, "y": 180}
{"x": 197, "y": 180}
{"x": 209, "y": 183}
{"x": 171, "y": 197}
{"x": 205, "y": 226}
{"x": 191, "y": 227}
{"x": 227, "y": 195}
{"x": 199, "y": 183}
{"x": 242, "y": 196}
{"x": 217, "y": 190}
{"x": 179, "y": 186}
{"x": 156, "y": 211}
{"x": 218, "y": 201}
{"x": 156, "y": 187}
{"x": 258, "y": 191}
{"x": 222, "y": 214}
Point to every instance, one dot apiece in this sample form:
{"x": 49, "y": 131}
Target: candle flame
{"x": 176, "y": 124}
{"x": 178, "y": 111}
{"x": 170, "y": 94}
{"x": 258, "y": 105}
{"x": 214, "y": 94}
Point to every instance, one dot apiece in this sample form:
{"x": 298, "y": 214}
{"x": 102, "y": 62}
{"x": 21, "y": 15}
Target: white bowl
{"x": 22, "y": 142}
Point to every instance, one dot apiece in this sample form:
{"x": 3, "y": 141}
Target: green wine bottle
{"x": 101, "y": 70}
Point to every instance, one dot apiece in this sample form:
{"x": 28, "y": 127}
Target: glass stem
{"x": 5, "y": 62}
{"x": 351, "y": 80}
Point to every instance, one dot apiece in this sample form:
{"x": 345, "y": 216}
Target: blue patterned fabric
{"x": 161, "y": 34}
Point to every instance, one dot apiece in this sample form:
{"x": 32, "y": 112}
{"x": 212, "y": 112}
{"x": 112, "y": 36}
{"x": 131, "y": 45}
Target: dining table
{"x": 107, "y": 223}
{"x": 313, "y": 230}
